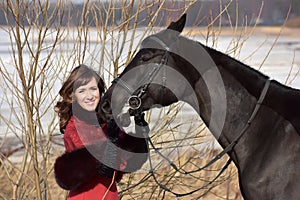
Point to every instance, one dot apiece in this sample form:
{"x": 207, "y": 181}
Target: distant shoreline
{"x": 225, "y": 30}
{"x": 259, "y": 30}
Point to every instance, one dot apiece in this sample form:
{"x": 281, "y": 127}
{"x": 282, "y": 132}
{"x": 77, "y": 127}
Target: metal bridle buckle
{"x": 134, "y": 102}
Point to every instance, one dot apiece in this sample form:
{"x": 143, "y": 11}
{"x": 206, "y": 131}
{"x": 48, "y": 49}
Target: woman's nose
{"x": 90, "y": 95}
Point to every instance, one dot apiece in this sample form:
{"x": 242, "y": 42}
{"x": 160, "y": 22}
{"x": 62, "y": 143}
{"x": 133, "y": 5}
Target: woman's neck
{"x": 90, "y": 117}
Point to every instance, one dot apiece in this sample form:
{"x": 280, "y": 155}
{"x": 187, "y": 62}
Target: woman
{"x": 85, "y": 134}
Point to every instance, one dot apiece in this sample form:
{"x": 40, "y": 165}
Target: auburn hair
{"x": 80, "y": 76}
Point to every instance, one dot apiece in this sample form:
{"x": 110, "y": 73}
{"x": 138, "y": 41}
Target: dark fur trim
{"x": 75, "y": 168}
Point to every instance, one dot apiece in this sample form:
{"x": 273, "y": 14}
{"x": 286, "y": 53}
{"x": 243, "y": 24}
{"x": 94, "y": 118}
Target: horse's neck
{"x": 250, "y": 79}
{"x": 243, "y": 87}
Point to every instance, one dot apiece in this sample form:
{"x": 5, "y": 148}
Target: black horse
{"x": 256, "y": 120}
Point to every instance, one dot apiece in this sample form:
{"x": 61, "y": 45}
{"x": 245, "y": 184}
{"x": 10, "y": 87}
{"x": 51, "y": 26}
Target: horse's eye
{"x": 146, "y": 57}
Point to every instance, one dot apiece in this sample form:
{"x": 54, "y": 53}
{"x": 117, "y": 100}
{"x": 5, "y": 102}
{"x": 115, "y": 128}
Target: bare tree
{"x": 45, "y": 40}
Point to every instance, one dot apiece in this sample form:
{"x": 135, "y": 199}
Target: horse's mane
{"x": 282, "y": 99}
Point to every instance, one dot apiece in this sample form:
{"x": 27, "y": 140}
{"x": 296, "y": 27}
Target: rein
{"x": 228, "y": 149}
{"x": 135, "y": 103}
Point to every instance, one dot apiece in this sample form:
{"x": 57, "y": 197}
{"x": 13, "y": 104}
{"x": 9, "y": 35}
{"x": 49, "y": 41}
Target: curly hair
{"x": 80, "y": 75}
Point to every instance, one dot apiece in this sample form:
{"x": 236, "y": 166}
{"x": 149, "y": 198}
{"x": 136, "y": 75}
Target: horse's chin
{"x": 132, "y": 112}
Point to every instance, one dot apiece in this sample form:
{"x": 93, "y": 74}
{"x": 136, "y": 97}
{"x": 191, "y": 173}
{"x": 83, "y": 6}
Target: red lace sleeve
{"x": 79, "y": 134}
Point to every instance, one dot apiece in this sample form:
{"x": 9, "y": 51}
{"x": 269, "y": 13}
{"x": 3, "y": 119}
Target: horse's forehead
{"x": 166, "y": 36}
{"x": 148, "y": 42}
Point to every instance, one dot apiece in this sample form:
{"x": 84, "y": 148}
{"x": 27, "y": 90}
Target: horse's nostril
{"x": 124, "y": 119}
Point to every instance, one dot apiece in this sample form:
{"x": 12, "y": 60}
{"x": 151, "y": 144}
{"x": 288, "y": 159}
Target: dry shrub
{"x": 46, "y": 42}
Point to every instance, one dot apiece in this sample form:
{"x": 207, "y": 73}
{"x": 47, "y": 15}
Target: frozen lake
{"x": 282, "y": 63}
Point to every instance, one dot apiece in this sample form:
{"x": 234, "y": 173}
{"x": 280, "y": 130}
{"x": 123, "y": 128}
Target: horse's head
{"x": 151, "y": 78}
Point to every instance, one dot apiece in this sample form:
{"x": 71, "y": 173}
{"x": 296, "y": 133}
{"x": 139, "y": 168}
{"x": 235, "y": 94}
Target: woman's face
{"x": 88, "y": 96}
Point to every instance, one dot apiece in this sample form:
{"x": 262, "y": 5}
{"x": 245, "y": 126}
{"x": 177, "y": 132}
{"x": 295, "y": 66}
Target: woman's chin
{"x": 90, "y": 108}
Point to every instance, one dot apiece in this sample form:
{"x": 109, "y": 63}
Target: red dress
{"x": 77, "y": 135}
{"x": 77, "y": 169}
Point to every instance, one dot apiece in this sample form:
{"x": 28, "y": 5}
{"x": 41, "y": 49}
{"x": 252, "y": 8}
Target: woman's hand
{"x": 141, "y": 126}
{"x": 140, "y": 119}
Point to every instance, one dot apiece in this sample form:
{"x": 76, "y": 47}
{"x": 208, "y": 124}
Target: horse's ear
{"x": 179, "y": 24}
